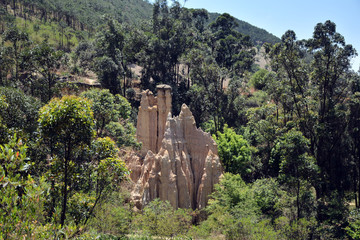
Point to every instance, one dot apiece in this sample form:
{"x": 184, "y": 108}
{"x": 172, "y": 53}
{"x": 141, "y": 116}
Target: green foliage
{"x": 233, "y": 212}
{"x": 110, "y": 169}
{"x": 20, "y": 111}
{"x": 22, "y": 197}
{"x": 232, "y": 50}
{"x": 234, "y": 152}
{"x": 53, "y": 32}
{"x": 333, "y": 212}
{"x": 46, "y": 62}
{"x": 258, "y": 36}
{"x": 272, "y": 200}
{"x": 199, "y": 104}
{"x": 317, "y": 98}
{"x": 89, "y": 13}
{"x": 160, "y": 219}
{"x": 234, "y": 196}
{"x": 259, "y": 79}
{"x": 67, "y": 122}
{"x": 91, "y": 168}
{"x": 113, "y": 217}
{"x": 19, "y": 41}
{"x": 299, "y": 229}
{"x": 106, "y": 107}
{"x": 3, "y": 128}
{"x": 111, "y": 62}
{"x": 297, "y": 169}
{"x": 353, "y": 230}
{"x": 112, "y": 114}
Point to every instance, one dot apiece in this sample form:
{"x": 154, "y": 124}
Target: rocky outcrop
{"x": 152, "y": 115}
{"x": 182, "y": 167}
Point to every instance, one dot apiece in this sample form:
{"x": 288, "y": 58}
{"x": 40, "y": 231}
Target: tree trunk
{"x": 358, "y": 178}
{"x": 355, "y": 190}
{"x": 65, "y": 193}
{"x": 298, "y": 199}
{"x": 66, "y": 183}
{"x": 14, "y": 7}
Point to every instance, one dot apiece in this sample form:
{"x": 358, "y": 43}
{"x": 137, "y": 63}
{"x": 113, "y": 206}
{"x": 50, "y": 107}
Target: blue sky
{"x": 278, "y": 16}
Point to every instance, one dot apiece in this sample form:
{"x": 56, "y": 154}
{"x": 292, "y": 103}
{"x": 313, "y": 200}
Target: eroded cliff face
{"x": 181, "y": 164}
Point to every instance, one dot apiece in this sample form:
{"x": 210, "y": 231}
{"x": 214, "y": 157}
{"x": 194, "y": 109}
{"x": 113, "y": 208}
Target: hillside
{"x": 88, "y": 14}
{"x": 82, "y": 13}
{"x": 258, "y": 35}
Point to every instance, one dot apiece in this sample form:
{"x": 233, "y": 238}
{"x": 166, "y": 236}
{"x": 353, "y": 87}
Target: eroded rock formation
{"x": 152, "y": 115}
{"x": 181, "y": 163}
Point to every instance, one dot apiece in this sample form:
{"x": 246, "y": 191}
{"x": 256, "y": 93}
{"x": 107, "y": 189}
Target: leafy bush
{"x": 112, "y": 113}
{"x": 233, "y": 212}
{"x": 114, "y": 216}
{"x": 258, "y": 79}
{"x": 22, "y": 198}
{"x": 234, "y": 152}
{"x": 353, "y": 230}
{"x": 20, "y": 111}
{"x": 160, "y": 219}
{"x": 297, "y": 230}
{"x": 270, "y": 198}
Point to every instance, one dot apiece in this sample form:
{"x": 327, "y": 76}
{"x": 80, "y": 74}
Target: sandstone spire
{"x": 181, "y": 163}
{"x": 152, "y": 115}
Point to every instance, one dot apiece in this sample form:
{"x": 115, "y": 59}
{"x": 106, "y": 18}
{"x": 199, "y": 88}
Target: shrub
{"x": 160, "y": 219}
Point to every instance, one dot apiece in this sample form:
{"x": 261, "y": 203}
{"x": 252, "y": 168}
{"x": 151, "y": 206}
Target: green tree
{"x": 258, "y": 79}
{"x": 18, "y": 40}
{"x": 47, "y": 61}
{"x": 22, "y": 197}
{"x": 112, "y": 113}
{"x": 317, "y": 104}
{"x": 331, "y": 66}
{"x": 207, "y": 75}
{"x": 20, "y": 111}
{"x": 354, "y": 128}
{"x": 230, "y": 48}
{"x": 110, "y": 64}
{"x": 167, "y": 41}
{"x": 233, "y": 212}
{"x": 84, "y": 55}
{"x": 6, "y": 64}
{"x": 97, "y": 177}
{"x": 66, "y": 124}
{"x": 3, "y": 128}
{"x": 297, "y": 168}
{"x": 262, "y": 130}
{"x": 234, "y": 152}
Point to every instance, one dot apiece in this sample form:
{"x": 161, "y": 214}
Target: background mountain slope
{"x": 88, "y": 13}
{"x": 258, "y": 35}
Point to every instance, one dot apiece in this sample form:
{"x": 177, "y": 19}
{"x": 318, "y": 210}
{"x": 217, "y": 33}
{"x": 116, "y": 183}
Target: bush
{"x": 160, "y": 219}
{"x": 22, "y": 198}
{"x": 113, "y": 217}
{"x": 234, "y": 152}
{"x": 258, "y": 79}
{"x": 270, "y": 198}
{"x": 296, "y": 230}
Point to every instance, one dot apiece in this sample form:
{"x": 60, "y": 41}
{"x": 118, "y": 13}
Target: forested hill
{"x": 258, "y": 35}
{"x": 88, "y": 13}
